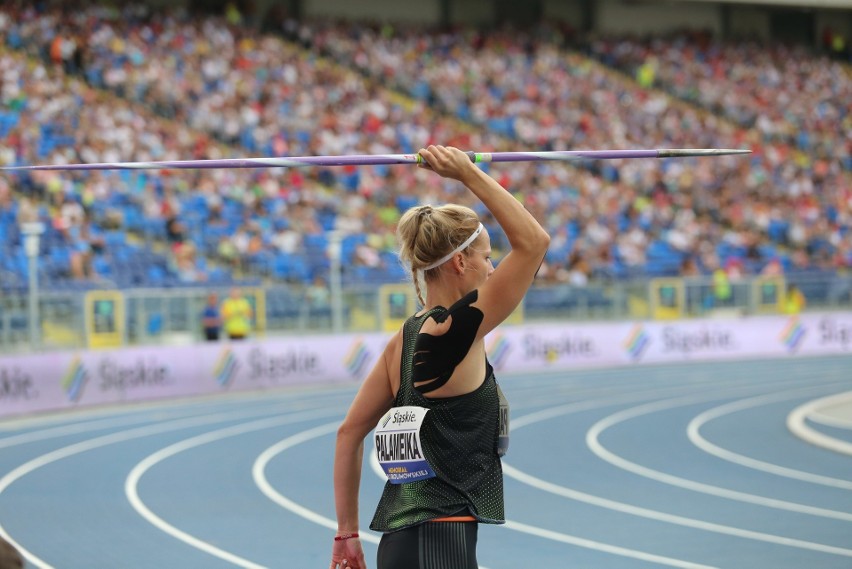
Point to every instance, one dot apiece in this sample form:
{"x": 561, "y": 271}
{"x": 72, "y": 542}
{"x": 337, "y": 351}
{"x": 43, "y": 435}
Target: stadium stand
{"x": 178, "y": 86}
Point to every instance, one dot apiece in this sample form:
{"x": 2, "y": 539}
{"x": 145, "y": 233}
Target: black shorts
{"x": 430, "y": 545}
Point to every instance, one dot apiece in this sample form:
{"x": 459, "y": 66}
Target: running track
{"x": 647, "y": 466}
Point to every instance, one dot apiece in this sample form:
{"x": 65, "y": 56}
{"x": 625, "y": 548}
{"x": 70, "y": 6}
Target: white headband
{"x": 458, "y": 249}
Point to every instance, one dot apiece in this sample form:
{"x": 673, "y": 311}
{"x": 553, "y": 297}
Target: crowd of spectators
{"x": 785, "y": 92}
{"x": 184, "y": 87}
{"x": 237, "y": 216}
{"x": 791, "y": 200}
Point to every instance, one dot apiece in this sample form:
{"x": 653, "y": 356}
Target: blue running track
{"x": 636, "y": 467}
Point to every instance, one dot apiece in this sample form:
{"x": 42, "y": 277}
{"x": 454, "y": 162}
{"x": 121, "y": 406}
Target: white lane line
{"x": 260, "y": 478}
{"x": 693, "y": 431}
{"x": 98, "y": 442}
{"x": 796, "y": 424}
{"x": 568, "y": 538}
{"x": 131, "y": 485}
{"x": 86, "y": 420}
{"x": 837, "y": 414}
{"x": 74, "y": 429}
{"x": 77, "y": 428}
{"x": 646, "y": 512}
{"x": 668, "y": 518}
{"x": 593, "y": 442}
{"x": 263, "y": 483}
{"x": 258, "y": 472}
{"x": 734, "y": 385}
{"x": 830, "y": 420}
{"x": 604, "y": 547}
{"x": 544, "y": 393}
{"x": 183, "y": 404}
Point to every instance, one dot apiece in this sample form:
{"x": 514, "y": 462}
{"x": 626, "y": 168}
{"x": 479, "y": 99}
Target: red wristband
{"x": 345, "y": 536}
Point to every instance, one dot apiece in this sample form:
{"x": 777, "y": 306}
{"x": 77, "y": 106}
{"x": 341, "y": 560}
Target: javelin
{"x": 384, "y": 159}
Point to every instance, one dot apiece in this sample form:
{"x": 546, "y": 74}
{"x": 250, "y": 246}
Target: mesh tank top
{"x": 460, "y": 440}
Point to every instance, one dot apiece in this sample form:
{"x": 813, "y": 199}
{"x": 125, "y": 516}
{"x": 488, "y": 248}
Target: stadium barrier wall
{"x": 77, "y": 379}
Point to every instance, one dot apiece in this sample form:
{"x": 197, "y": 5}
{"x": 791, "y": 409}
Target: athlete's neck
{"x": 445, "y": 297}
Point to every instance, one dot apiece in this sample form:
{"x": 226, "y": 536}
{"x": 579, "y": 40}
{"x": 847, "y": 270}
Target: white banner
{"x": 53, "y": 381}
{"x": 65, "y": 380}
{"x": 571, "y": 345}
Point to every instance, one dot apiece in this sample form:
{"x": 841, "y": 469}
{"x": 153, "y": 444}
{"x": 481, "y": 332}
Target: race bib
{"x": 398, "y": 446}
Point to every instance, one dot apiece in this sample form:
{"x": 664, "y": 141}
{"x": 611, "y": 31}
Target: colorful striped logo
{"x": 637, "y": 341}
{"x": 75, "y": 379}
{"x": 386, "y": 419}
{"x": 226, "y": 367}
{"x": 356, "y": 358}
{"x": 498, "y": 351}
{"x": 793, "y": 334}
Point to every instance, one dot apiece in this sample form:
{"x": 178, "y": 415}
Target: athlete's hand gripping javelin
{"x": 447, "y": 161}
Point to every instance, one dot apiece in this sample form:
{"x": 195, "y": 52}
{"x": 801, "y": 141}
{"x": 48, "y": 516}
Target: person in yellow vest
{"x": 794, "y": 300}
{"x": 838, "y": 45}
{"x": 647, "y": 73}
{"x": 721, "y": 287}
{"x": 236, "y": 315}
{"x": 233, "y": 14}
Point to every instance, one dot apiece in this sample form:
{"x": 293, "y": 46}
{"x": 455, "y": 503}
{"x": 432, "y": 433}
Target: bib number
{"x": 398, "y": 446}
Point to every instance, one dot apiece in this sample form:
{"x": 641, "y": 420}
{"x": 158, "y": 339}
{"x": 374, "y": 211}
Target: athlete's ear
{"x": 458, "y": 263}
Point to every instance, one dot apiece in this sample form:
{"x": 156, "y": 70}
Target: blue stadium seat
{"x": 156, "y": 275}
{"x": 348, "y": 245}
{"x": 290, "y": 267}
{"x": 315, "y": 243}
{"x": 154, "y": 326}
{"x": 8, "y": 120}
{"x": 114, "y": 239}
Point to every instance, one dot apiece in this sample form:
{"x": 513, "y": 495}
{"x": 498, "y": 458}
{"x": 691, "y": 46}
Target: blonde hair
{"x": 427, "y": 233}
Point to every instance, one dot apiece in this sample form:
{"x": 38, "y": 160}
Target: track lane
{"x": 547, "y": 410}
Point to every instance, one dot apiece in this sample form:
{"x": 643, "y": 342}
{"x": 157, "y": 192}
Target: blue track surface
{"x": 679, "y": 465}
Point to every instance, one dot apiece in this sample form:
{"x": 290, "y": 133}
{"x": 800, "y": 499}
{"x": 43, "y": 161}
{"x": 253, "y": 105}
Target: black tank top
{"x": 460, "y": 440}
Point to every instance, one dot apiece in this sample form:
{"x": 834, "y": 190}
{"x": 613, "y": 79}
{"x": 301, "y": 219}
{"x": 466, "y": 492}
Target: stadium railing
{"x": 112, "y": 317}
